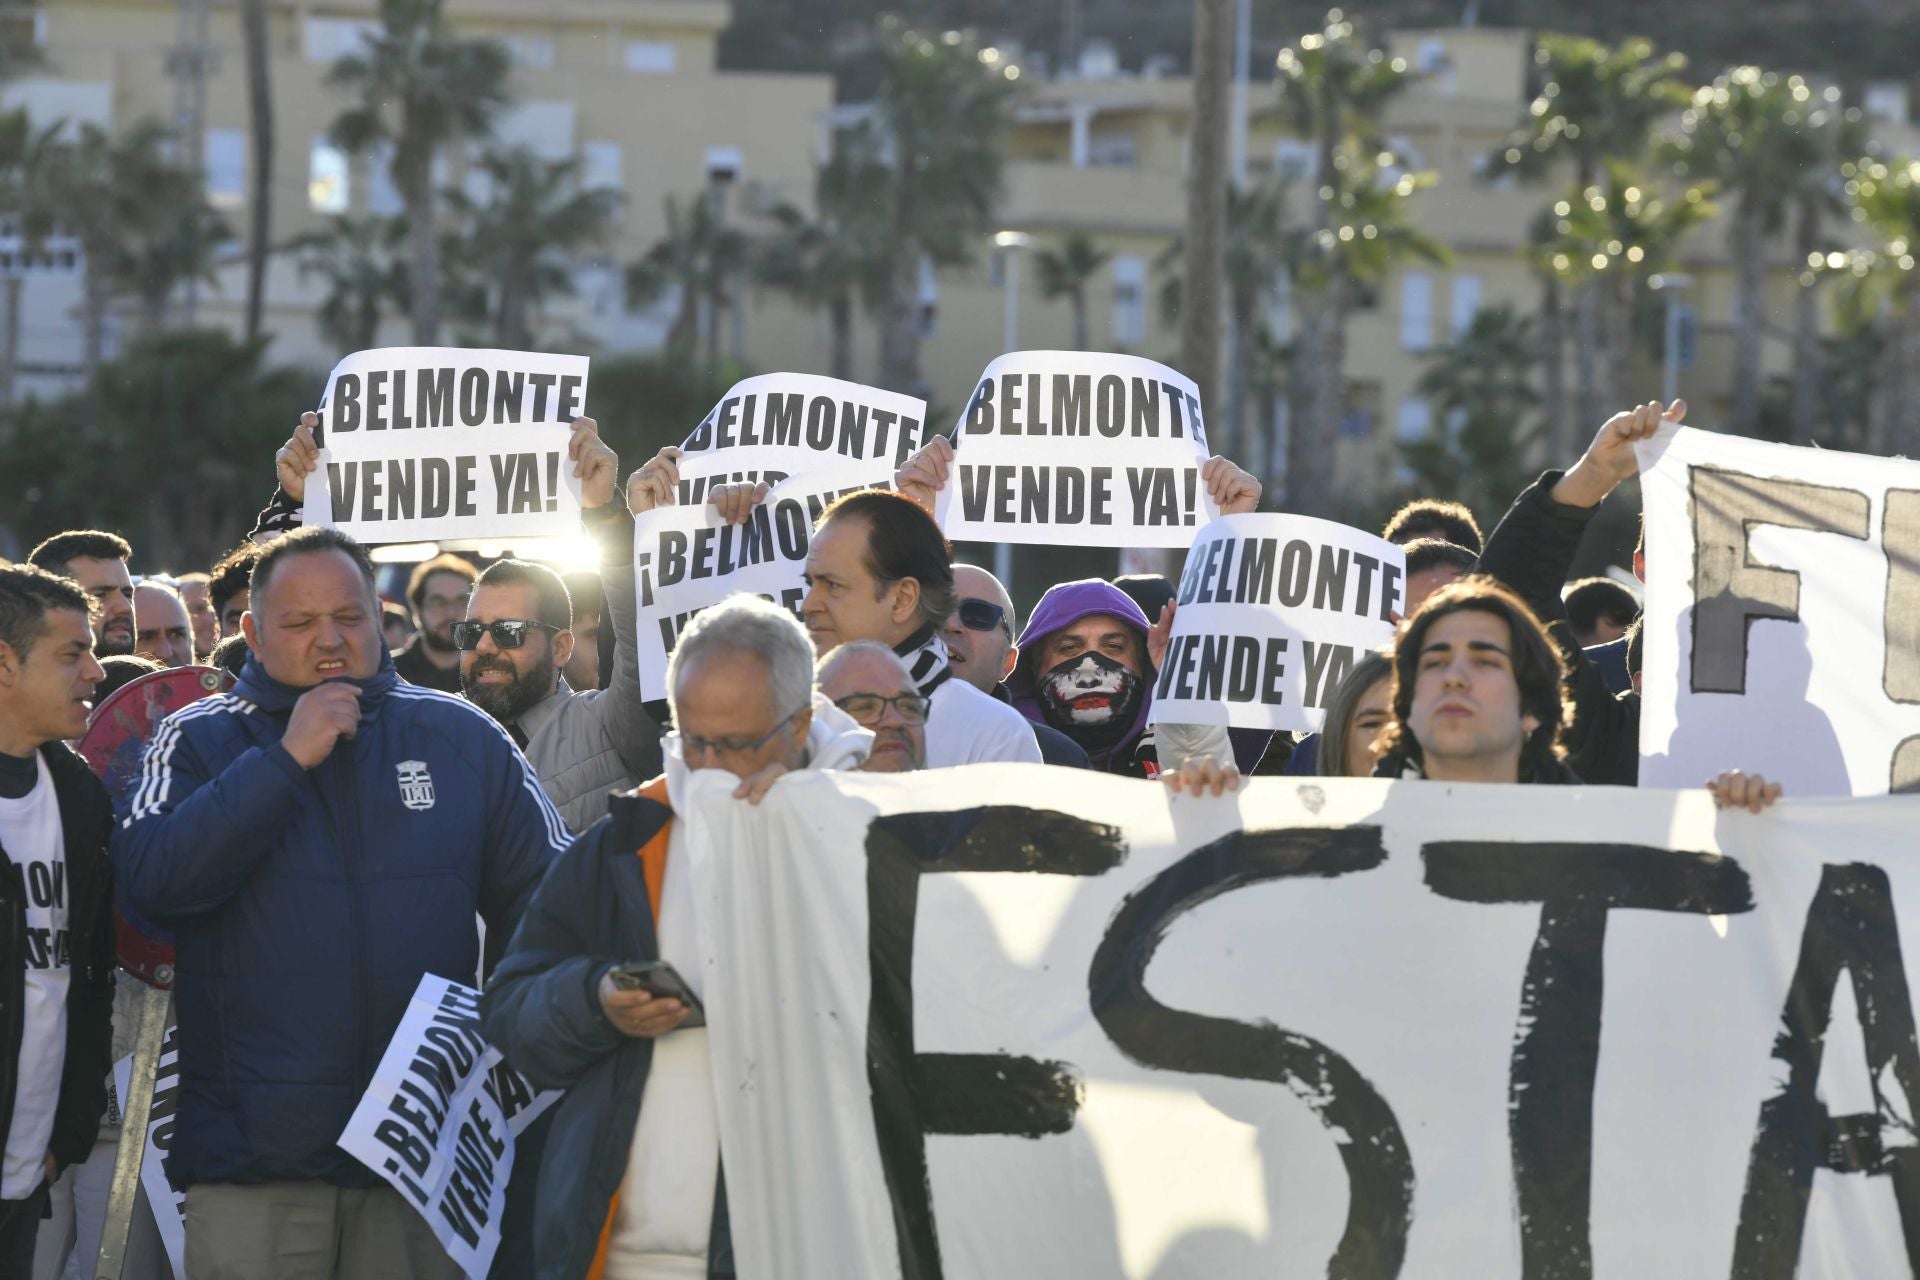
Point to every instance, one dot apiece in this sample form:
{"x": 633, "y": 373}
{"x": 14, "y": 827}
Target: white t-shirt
{"x": 665, "y": 1220}
{"x": 30, "y": 831}
{"x": 966, "y": 726}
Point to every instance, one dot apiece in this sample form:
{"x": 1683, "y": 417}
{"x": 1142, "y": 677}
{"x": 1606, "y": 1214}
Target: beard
{"x": 440, "y": 640}
{"x": 113, "y": 644}
{"x": 507, "y": 701}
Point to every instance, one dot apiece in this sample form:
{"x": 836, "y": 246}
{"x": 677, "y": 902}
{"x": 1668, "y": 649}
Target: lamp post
{"x": 1009, "y": 243}
{"x": 1671, "y": 285}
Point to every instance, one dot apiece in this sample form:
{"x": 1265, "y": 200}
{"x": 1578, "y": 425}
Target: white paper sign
{"x": 1274, "y": 610}
{"x": 1082, "y": 449}
{"x": 1782, "y": 631}
{"x": 777, "y": 425}
{"x": 424, "y": 443}
{"x": 439, "y": 1121}
{"x": 169, "y": 1206}
{"x": 687, "y": 558}
{"x": 981, "y": 1024}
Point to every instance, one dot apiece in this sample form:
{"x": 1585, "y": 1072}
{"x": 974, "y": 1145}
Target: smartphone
{"x": 658, "y": 978}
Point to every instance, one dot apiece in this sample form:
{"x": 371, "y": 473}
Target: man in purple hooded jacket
{"x": 1084, "y": 669}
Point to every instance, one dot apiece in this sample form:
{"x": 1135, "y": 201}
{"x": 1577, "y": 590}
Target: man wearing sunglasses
{"x": 517, "y": 638}
{"x": 869, "y": 682}
{"x": 979, "y": 637}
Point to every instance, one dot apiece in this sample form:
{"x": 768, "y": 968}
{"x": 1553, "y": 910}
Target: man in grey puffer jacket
{"x": 518, "y": 635}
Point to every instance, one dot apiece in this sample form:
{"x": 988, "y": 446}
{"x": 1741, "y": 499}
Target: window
{"x": 330, "y": 39}
{"x": 1280, "y": 307}
{"x": 226, "y": 160}
{"x": 383, "y": 198}
{"x": 327, "y": 180}
{"x": 1416, "y": 421}
{"x": 1360, "y": 411}
{"x": 1129, "y": 300}
{"x": 1466, "y": 302}
{"x": 532, "y": 52}
{"x": 1295, "y": 161}
{"x": 1113, "y": 150}
{"x": 1416, "y": 311}
{"x": 602, "y": 166}
{"x": 651, "y": 57}
{"x": 929, "y": 297}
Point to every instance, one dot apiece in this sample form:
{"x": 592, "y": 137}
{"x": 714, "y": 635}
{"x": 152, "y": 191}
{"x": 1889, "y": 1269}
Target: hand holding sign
{"x": 298, "y": 458}
{"x": 594, "y": 463}
{"x": 654, "y": 483}
{"x": 1610, "y": 459}
{"x": 925, "y": 474}
{"x": 735, "y": 502}
{"x": 1232, "y": 488}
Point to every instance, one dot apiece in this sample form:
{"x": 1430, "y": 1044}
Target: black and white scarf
{"x": 925, "y": 654}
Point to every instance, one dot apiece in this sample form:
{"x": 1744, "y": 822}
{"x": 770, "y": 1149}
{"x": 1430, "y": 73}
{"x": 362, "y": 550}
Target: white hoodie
{"x": 673, "y": 1167}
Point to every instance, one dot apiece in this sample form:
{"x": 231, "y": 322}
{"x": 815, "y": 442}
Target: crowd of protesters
{"x": 307, "y": 893}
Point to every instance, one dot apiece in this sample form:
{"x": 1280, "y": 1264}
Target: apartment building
{"x": 629, "y": 88}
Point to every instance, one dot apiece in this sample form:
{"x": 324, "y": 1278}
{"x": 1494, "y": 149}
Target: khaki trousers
{"x": 308, "y": 1231}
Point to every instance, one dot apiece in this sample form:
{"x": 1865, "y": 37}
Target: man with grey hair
{"x": 572, "y": 1004}
{"x": 979, "y": 635}
{"x": 871, "y": 683}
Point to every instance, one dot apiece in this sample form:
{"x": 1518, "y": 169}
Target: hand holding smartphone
{"x": 661, "y": 980}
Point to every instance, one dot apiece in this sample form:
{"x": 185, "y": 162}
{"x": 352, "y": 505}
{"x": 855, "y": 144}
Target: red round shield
{"x": 116, "y": 738}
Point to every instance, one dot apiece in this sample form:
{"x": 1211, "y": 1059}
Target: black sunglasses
{"x": 980, "y": 615}
{"x": 508, "y": 633}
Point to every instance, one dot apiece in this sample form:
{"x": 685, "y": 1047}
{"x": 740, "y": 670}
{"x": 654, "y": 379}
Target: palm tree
{"x": 1335, "y": 88}
{"x": 1756, "y": 134}
{"x": 25, "y": 156}
{"x": 253, "y": 26}
{"x": 1263, "y": 243}
{"x": 938, "y": 114}
{"x": 1065, "y": 271}
{"x": 1480, "y": 388}
{"x": 142, "y": 221}
{"x": 418, "y": 89}
{"x": 1607, "y": 239}
{"x": 521, "y": 241}
{"x": 1598, "y": 104}
{"x": 699, "y": 257}
{"x": 1838, "y": 135}
{"x": 359, "y": 258}
{"x": 1883, "y": 291}
{"x": 833, "y": 259}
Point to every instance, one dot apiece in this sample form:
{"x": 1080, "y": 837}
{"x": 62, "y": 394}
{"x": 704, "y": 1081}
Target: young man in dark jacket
{"x": 319, "y": 839}
{"x": 56, "y": 903}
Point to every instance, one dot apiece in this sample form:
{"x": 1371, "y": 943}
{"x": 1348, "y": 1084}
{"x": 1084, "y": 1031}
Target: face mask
{"x": 1092, "y": 699}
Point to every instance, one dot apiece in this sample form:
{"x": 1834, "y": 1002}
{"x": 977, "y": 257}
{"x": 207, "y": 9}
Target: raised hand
{"x": 298, "y": 458}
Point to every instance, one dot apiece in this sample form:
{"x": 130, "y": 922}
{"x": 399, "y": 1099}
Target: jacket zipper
{"x": 350, "y": 832}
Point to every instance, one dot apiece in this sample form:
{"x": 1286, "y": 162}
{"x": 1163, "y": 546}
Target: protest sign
{"x": 685, "y": 557}
{"x": 981, "y": 1024}
{"x": 1077, "y": 448}
{"x": 169, "y": 1206}
{"x": 440, "y": 1118}
{"x": 779, "y": 425}
{"x": 441, "y": 442}
{"x": 1782, "y": 629}
{"x": 1273, "y": 612}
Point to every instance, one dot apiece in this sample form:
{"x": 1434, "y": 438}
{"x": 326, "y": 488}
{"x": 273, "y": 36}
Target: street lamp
{"x": 1009, "y": 243}
{"x": 1672, "y": 284}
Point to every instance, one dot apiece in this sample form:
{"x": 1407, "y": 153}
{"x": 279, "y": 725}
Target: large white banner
{"x": 685, "y": 557}
{"x": 421, "y": 443}
{"x": 439, "y": 1120}
{"x": 974, "y": 1024}
{"x": 1782, "y": 616}
{"x": 1274, "y": 610}
{"x": 778, "y": 425}
{"x": 1078, "y": 449}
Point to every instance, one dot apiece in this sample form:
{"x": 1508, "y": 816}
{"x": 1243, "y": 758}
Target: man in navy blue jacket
{"x": 319, "y": 839}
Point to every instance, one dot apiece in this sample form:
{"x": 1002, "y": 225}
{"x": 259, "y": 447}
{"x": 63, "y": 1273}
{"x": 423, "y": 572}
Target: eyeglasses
{"x": 508, "y": 633}
{"x": 689, "y": 744}
{"x": 980, "y": 615}
{"x": 867, "y": 708}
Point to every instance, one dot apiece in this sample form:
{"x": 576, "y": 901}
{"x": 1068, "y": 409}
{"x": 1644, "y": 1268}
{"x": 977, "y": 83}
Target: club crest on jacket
{"x": 416, "y": 784}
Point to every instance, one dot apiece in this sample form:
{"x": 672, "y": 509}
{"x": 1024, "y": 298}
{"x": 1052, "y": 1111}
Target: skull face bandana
{"x": 1091, "y": 698}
